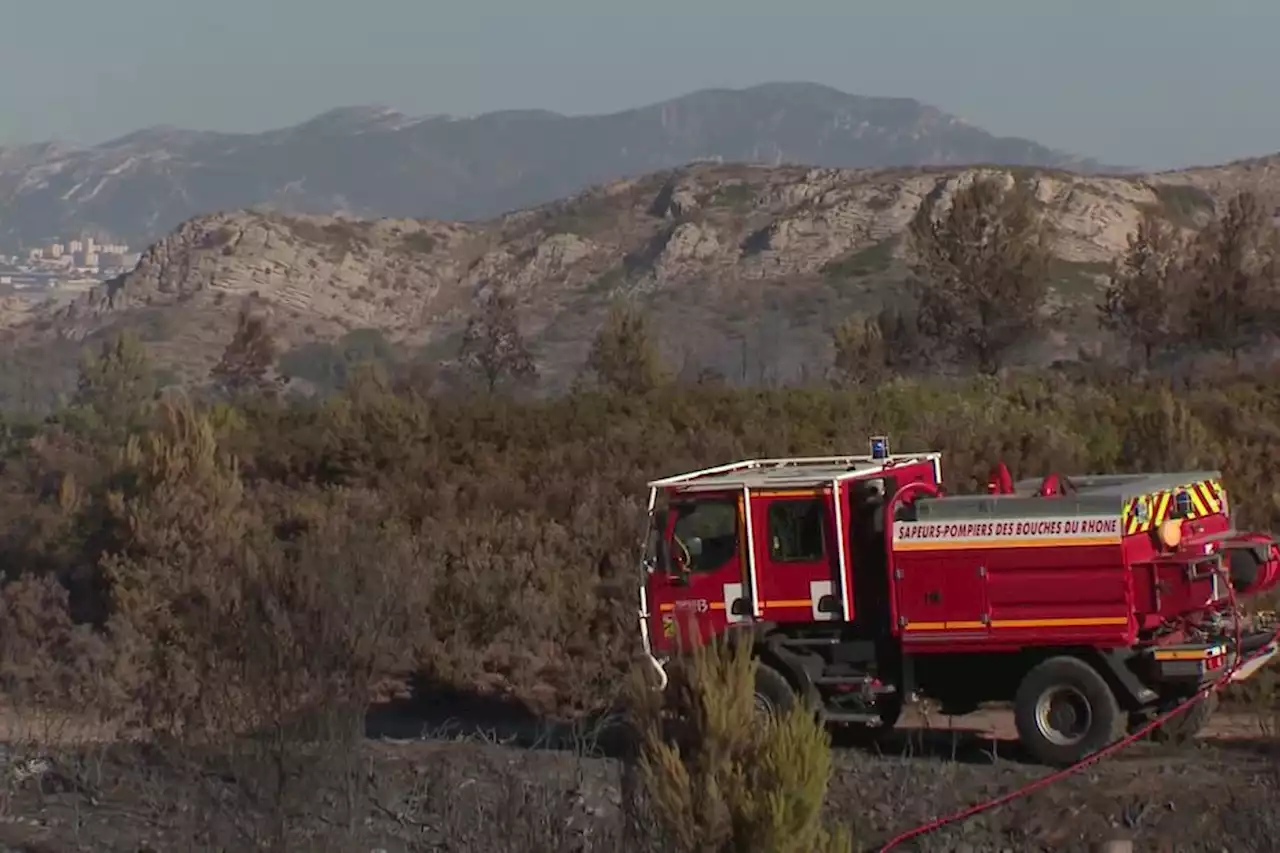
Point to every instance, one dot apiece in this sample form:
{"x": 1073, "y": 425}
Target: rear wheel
{"x": 1064, "y": 710}
{"x": 1186, "y": 725}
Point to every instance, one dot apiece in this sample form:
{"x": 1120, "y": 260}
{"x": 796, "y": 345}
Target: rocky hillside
{"x": 373, "y": 162}
{"x": 746, "y": 269}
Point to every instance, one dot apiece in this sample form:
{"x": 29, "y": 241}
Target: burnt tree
{"x": 1234, "y": 270}
{"x": 623, "y": 356}
{"x": 1144, "y": 301}
{"x": 249, "y": 359}
{"x": 980, "y": 270}
{"x": 870, "y": 349}
{"x": 493, "y": 347}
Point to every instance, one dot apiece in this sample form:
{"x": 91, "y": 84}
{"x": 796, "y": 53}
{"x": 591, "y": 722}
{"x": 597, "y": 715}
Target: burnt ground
{"x": 466, "y": 792}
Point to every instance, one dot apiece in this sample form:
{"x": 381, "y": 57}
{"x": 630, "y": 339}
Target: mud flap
{"x": 1131, "y": 691}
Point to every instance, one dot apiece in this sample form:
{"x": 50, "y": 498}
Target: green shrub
{"x": 734, "y": 783}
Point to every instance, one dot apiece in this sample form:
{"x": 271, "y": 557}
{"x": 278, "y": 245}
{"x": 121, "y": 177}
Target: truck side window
{"x": 796, "y": 530}
{"x": 714, "y": 526}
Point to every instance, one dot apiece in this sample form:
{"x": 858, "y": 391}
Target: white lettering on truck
{"x": 1007, "y": 533}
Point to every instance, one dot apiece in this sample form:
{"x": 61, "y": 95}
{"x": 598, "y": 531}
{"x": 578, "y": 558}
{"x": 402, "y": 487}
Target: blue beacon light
{"x": 880, "y": 447}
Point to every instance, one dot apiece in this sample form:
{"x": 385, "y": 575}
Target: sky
{"x": 1146, "y": 83}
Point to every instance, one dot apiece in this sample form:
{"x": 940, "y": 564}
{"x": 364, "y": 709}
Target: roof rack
{"x": 794, "y": 472}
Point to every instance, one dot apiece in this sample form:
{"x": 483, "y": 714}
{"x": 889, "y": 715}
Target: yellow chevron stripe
{"x": 1206, "y": 499}
{"x": 1198, "y": 507}
{"x": 1160, "y": 511}
{"x": 1131, "y": 524}
{"x": 1212, "y": 502}
{"x": 1204, "y": 496}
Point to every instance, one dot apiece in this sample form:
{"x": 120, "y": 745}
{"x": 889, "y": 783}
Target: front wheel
{"x": 889, "y": 710}
{"x": 1064, "y": 711}
{"x": 773, "y": 694}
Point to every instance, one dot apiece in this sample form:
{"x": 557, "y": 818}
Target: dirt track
{"x": 998, "y": 725}
{"x": 464, "y": 796}
{"x": 437, "y": 790}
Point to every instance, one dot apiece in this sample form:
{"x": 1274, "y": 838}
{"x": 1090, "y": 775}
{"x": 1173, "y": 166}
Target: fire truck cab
{"x": 1090, "y": 603}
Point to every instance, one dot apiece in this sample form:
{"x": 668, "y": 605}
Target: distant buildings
{"x": 76, "y": 263}
{"x": 84, "y": 254}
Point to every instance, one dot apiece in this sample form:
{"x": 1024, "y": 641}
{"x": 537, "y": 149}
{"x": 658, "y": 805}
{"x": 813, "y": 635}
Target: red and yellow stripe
{"x": 1068, "y": 622}
{"x": 1205, "y": 496}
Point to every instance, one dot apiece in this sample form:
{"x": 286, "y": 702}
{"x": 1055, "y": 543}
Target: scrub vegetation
{"x": 221, "y": 590}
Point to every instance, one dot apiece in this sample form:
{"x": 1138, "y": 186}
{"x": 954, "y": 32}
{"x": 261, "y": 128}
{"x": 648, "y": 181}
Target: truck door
{"x": 695, "y": 599}
{"x": 796, "y": 565}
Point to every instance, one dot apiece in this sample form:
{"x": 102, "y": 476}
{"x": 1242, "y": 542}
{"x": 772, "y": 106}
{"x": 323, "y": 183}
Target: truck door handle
{"x": 933, "y": 596}
{"x": 739, "y": 607}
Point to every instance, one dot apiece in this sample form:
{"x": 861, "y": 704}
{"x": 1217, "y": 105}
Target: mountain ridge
{"x": 371, "y": 161}
{"x": 745, "y": 269}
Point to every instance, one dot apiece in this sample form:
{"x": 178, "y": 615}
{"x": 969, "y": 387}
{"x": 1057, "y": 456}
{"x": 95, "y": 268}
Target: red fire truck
{"x": 1091, "y": 603}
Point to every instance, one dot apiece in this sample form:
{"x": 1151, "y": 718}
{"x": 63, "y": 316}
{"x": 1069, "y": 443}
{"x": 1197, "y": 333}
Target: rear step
{"x": 850, "y": 717}
{"x": 862, "y": 682}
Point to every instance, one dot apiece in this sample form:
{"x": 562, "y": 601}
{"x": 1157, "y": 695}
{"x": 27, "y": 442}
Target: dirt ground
{"x": 479, "y": 789}
{"x": 997, "y": 724}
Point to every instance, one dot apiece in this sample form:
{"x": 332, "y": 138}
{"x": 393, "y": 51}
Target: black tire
{"x": 774, "y": 695}
{"x": 1184, "y": 727}
{"x": 1064, "y": 710}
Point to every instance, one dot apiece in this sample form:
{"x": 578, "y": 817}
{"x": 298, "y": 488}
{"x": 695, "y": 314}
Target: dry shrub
{"x": 511, "y": 526}
{"x": 59, "y": 695}
{"x": 47, "y": 661}
{"x": 519, "y": 609}
{"x": 257, "y": 624}
{"x": 237, "y": 615}
{"x": 241, "y": 576}
{"x": 732, "y": 781}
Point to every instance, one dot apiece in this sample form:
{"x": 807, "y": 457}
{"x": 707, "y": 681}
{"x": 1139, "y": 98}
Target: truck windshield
{"x": 708, "y": 532}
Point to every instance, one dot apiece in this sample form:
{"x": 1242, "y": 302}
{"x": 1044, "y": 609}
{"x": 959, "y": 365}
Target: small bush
{"x": 1185, "y": 204}
{"x": 419, "y": 242}
{"x": 733, "y": 783}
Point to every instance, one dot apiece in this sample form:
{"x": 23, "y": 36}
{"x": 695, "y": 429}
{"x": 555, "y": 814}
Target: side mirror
{"x": 694, "y": 545}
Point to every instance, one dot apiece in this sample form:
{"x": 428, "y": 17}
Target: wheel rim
{"x": 762, "y": 704}
{"x": 1063, "y": 716}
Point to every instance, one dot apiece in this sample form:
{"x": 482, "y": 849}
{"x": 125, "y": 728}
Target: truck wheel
{"x": 1064, "y": 710}
{"x": 1188, "y": 724}
{"x": 773, "y": 694}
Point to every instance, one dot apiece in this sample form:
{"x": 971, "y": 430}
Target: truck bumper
{"x": 1192, "y": 664}
{"x": 1257, "y": 661}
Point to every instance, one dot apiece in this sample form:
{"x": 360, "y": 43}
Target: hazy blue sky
{"x": 1142, "y": 82}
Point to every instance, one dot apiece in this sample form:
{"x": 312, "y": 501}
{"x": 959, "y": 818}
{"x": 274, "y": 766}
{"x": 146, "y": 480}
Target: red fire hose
{"x": 1044, "y": 782}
